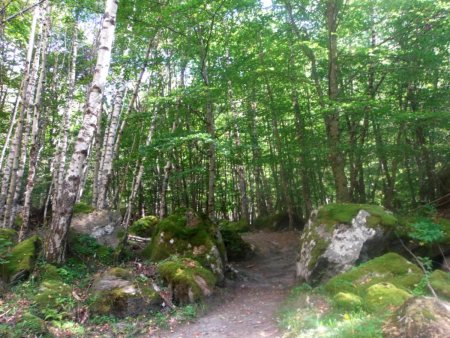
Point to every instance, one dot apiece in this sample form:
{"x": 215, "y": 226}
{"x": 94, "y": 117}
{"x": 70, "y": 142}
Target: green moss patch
{"x": 21, "y": 259}
{"x": 189, "y": 279}
{"x": 8, "y": 234}
{"x": 187, "y": 234}
{"x": 30, "y": 325}
{"x": 338, "y": 213}
{"x": 391, "y": 268}
{"x": 384, "y": 296}
{"x": 49, "y": 272}
{"x": 54, "y": 297}
{"x": 440, "y": 282}
{"x": 144, "y": 227}
{"x": 239, "y": 226}
{"x": 347, "y": 301}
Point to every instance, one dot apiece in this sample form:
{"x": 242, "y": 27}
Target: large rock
{"x": 103, "y": 225}
{"x": 188, "y": 280}
{"x": 440, "y": 282}
{"x": 115, "y": 293}
{"x": 21, "y": 260}
{"x": 390, "y": 268}
{"x": 190, "y": 235}
{"x": 338, "y": 236}
{"x": 420, "y": 317}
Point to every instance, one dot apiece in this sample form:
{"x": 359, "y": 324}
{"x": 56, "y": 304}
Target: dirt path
{"x": 247, "y": 307}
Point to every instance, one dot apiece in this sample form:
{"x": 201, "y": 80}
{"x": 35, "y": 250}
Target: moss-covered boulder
{"x": 144, "y": 227}
{"x": 338, "y": 236}
{"x": 419, "y": 317}
{"x": 191, "y": 235}
{"x": 384, "y": 296}
{"x": 440, "y": 282}
{"x": 347, "y": 301}
{"x": 21, "y": 260}
{"x": 187, "y": 278}
{"x": 54, "y": 295}
{"x": 116, "y": 293}
{"x": 389, "y": 268}
{"x": 237, "y": 248}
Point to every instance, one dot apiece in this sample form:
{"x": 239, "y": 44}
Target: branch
{"x": 23, "y": 11}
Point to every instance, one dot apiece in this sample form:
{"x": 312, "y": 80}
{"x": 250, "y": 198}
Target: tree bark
{"x": 332, "y": 117}
{"x": 56, "y": 240}
{"x": 36, "y": 130}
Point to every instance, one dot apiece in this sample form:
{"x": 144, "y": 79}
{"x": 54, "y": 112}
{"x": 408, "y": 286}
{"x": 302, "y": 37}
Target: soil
{"x": 247, "y": 306}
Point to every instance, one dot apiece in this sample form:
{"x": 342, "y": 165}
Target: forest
{"x": 180, "y": 147}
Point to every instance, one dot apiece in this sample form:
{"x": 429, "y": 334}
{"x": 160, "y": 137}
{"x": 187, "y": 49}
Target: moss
{"x": 144, "y": 227}
{"x": 445, "y": 226}
{"x": 319, "y": 248}
{"x": 49, "y": 272}
{"x": 31, "y": 325}
{"x": 109, "y": 302}
{"x": 239, "y": 226}
{"x": 176, "y": 237}
{"x": 119, "y": 273}
{"x": 347, "y": 301}
{"x": 384, "y": 296}
{"x": 8, "y": 234}
{"x": 440, "y": 281}
{"x": 182, "y": 274}
{"x": 336, "y": 213}
{"x": 82, "y": 208}
{"x": 22, "y": 259}
{"x": 391, "y": 268}
{"x": 54, "y": 295}
{"x": 237, "y": 249}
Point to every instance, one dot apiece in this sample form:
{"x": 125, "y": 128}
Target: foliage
{"x": 87, "y": 249}
{"x": 426, "y": 231}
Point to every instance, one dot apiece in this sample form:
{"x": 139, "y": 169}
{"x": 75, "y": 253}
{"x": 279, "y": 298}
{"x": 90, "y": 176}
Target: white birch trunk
{"x": 61, "y": 150}
{"x": 56, "y": 241}
{"x": 36, "y": 129}
{"x": 105, "y": 169}
{"x": 14, "y": 155}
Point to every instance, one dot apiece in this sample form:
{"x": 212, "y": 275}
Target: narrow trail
{"x": 247, "y": 307}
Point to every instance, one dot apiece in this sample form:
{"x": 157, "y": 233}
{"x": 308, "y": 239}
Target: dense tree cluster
{"x": 236, "y": 108}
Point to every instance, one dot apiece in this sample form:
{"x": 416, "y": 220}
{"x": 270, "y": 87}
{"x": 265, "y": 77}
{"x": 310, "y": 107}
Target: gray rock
{"x": 420, "y": 317}
{"x": 326, "y": 251}
{"x": 103, "y": 225}
{"x": 114, "y": 293}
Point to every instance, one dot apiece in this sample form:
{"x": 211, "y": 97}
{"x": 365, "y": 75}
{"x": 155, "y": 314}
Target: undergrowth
{"x": 310, "y": 312}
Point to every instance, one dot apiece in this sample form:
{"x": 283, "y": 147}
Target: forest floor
{"x": 247, "y": 307}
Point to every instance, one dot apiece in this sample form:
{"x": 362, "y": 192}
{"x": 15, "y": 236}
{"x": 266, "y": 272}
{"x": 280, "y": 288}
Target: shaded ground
{"x": 247, "y": 307}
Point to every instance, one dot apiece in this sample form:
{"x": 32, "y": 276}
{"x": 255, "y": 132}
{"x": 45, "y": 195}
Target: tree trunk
{"x": 12, "y": 163}
{"x": 56, "y": 240}
{"x": 105, "y": 169}
{"x": 61, "y": 148}
{"x": 37, "y": 124}
{"x": 332, "y": 117}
